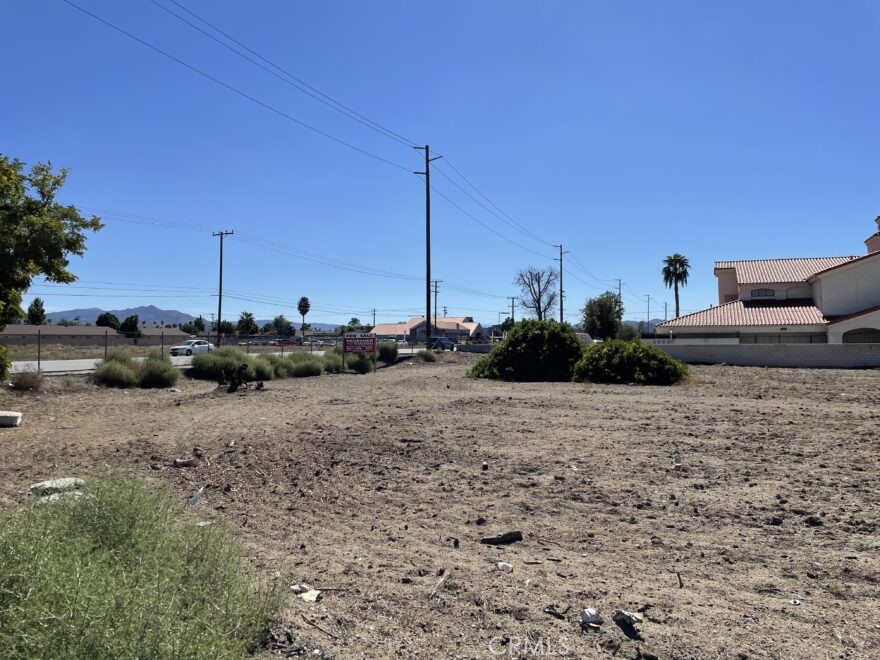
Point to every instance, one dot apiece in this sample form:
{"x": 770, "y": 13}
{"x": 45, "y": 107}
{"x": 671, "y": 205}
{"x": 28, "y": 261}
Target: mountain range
{"x": 148, "y": 313}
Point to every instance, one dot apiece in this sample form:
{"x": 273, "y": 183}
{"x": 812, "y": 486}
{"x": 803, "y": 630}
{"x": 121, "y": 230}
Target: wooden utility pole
{"x": 427, "y": 175}
{"x": 436, "y": 284}
{"x": 561, "y": 290}
{"x": 512, "y": 300}
{"x": 222, "y": 234}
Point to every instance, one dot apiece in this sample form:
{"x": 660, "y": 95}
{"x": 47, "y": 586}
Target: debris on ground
{"x": 504, "y": 567}
{"x": 56, "y": 486}
{"x": 502, "y": 539}
{"x": 306, "y": 592}
{"x": 185, "y": 462}
{"x": 590, "y": 618}
{"x": 628, "y": 618}
{"x": 552, "y": 611}
{"x": 10, "y": 418}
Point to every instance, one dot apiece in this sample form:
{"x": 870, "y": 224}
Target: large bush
{"x": 156, "y": 370}
{"x": 619, "y": 361}
{"x": 123, "y": 572}
{"x": 117, "y": 373}
{"x": 332, "y": 363}
{"x": 532, "y": 351}
{"x": 358, "y": 362}
{"x": 222, "y": 362}
{"x": 387, "y": 352}
{"x": 427, "y": 356}
{"x": 307, "y": 368}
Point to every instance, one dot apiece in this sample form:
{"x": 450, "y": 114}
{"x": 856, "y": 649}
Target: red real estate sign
{"x": 359, "y": 342}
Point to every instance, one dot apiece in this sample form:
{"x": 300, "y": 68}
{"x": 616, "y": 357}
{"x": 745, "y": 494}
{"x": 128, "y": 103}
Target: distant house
{"x": 457, "y": 329}
{"x": 820, "y": 300}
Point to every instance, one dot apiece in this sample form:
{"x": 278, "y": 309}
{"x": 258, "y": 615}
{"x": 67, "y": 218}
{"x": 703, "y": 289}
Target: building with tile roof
{"x": 456, "y": 328}
{"x": 803, "y": 300}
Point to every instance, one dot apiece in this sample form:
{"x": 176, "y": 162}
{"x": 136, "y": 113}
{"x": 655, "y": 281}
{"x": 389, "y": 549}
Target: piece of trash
{"x": 628, "y": 618}
{"x": 204, "y": 523}
{"x": 590, "y": 618}
{"x": 173, "y": 389}
{"x": 795, "y": 601}
{"x": 56, "y": 486}
{"x": 485, "y": 466}
{"x": 185, "y": 462}
{"x": 676, "y": 460}
{"x": 197, "y": 497}
{"x": 310, "y": 596}
{"x": 552, "y": 611}
{"x": 65, "y": 495}
{"x": 504, "y": 567}
{"x": 503, "y": 539}
{"x": 10, "y": 418}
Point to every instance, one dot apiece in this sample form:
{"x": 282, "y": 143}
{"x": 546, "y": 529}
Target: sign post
{"x": 359, "y": 342}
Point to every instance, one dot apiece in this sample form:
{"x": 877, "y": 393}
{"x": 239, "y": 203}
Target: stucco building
{"x": 817, "y": 300}
{"x": 457, "y": 329}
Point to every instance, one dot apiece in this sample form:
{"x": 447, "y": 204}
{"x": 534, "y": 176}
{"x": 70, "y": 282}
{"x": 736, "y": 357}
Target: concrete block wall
{"x": 804, "y": 356}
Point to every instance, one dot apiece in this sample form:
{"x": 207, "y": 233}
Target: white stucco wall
{"x": 836, "y": 330}
{"x": 849, "y": 289}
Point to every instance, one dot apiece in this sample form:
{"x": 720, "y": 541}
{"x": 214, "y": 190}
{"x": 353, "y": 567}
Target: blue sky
{"x": 625, "y": 130}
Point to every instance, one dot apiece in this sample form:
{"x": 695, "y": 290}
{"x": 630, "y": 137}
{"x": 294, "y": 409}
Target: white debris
{"x": 504, "y": 567}
{"x": 204, "y": 523}
{"x": 10, "y": 418}
{"x": 591, "y": 618}
{"x": 57, "y": 497}
{"x": 56, "y": 486}
{"x": 311, "y": 596}
{"x": 629, "y": 618}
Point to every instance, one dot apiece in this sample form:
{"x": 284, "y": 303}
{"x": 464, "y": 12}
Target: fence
{"x": 803, "y": 356}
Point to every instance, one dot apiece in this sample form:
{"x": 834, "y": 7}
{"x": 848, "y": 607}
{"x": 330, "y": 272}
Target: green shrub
{"x": 307, "y": 368}
{"x": 387, "y": 352}
{"x": 426, "y": 355}
{"x": 619, "y": 361}
{"x": 5, "y": 363}
{"x": 116, "y": 374}
{"x": 262, "y": 368}
{"x": 532, "y": 351}
{"x": 222, "y": 362}
{"x": 358, "y": 362}
{"x": 156, "y": 370}
{"x": 332, "y": 363}
{"x": 120, "y": 356}
{"x": 123, "y": 572}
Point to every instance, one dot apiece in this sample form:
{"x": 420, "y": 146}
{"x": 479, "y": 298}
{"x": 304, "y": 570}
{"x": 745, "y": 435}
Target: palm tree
{"x": 247, "y": 325}
{"x": 675, "y": 273}
{"x": 303, "y": 307}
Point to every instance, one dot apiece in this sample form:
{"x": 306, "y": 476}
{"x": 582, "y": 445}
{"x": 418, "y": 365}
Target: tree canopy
{"x": 602, "y": 316}
{"x": 37, "y": 234}
{"x": 108, "y": 320}
{"x": 676, "y": 269}
{"x": 247, "y": 325}
{"x": 36, "y": 312}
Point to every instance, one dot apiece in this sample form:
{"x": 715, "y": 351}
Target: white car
{"x": 192, "y": 347}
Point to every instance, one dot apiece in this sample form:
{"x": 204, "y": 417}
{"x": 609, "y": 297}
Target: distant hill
{"x": 635, "y": 324}
{"x": 314, "y": 326}
{"x": 149, "y": 313}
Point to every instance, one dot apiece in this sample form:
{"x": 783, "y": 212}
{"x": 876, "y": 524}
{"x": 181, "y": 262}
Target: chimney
{"x": 873, "y": 241}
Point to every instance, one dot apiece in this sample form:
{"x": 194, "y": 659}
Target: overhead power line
{"x": 235, "y": 90}
{"x": 281, "y": 73}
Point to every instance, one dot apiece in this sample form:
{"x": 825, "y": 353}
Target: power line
{"x": 231, "y": 88}
{"x": 293, "y": 80}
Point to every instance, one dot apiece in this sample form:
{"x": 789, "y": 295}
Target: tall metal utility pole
{"x": 561, "y": 290}
{"x": 665, "y": 313}
{"x": 620, "y": 299}
{"x": 222, "y": 234}
{"x": 427, "y": 175}
{"x": 512, "y": 300}
{"x": 374, "y": 317}
{"x": 444, "y": 311}
{"x": 436, "y": 284}
{"x": 648, "y": 320}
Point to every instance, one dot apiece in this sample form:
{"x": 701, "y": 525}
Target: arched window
{"x": 763, "y": 293}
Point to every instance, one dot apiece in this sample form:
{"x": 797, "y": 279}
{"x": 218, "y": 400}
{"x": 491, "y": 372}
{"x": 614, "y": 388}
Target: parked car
{"x": 192, "y": 347}
{"x": 442, "y": 343}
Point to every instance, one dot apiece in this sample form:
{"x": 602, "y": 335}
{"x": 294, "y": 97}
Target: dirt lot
{"x": 372, "y": 487}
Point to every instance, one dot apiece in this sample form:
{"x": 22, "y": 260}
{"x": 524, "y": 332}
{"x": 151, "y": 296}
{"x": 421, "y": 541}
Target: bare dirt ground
{"x": 372, "y": 487}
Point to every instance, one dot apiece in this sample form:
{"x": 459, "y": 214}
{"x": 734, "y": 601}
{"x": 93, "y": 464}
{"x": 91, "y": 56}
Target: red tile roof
{"x": 769, "y": 271}
{"x": 853, "y": 259}
{"x": 746, "y": 313}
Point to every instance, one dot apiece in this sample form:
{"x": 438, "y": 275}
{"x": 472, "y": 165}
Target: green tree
{"x": 303, "y": 307}
{"x": 267, "y": 328}
{"x": 282, "y": 326}
{"x": 354, "y": 325}
{"x": 37, "y": 234}
{"x": 507, "y": 325}
{"x": 108, "y": 320}
{"x": 676, "y": 269}
{"x": 602, "y": 316}
{"x": 199, "y": 324}
{"x": 36, "y": 312}
{"x": 226, "y": 328}
{"x": 130, "y": 326}
{"x": 247, "y": 325}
